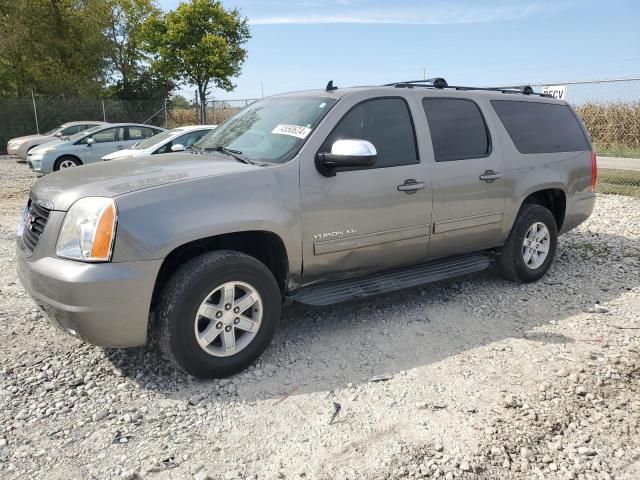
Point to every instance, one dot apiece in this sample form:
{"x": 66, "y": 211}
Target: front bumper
{"x": 104, "y": 304}
{"x": 35, "y": 162}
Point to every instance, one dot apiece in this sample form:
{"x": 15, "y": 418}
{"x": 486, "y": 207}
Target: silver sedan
{"x": 88, "y": 146}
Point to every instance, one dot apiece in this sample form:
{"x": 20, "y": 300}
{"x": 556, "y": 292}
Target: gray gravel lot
{"x": 475, "y": 378}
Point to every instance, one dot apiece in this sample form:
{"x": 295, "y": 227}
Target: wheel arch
{"x": 554, "y": 199}
{"x": 263, "y": 245}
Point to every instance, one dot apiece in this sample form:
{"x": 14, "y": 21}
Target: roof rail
{"x": 437, "y": 82}
{"x": 441, "y": 83}
{"x": 520, "y": 89}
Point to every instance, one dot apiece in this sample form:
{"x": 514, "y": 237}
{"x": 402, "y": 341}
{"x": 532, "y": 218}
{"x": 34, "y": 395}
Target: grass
{"x": 623, "y": 151}
{"x": 619, "y": 182}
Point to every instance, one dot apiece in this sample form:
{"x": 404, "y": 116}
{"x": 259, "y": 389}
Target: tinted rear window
{"x": 458, "y": 131}
{"x": 541, "y": 127}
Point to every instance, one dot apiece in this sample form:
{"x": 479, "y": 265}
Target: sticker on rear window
{"x": 292, "y": 130}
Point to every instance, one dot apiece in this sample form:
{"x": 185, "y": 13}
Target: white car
{"x": 174, "y": 140}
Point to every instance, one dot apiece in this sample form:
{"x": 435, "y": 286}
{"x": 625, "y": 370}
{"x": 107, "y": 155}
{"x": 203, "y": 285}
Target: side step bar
{"x": 413, "y": 276}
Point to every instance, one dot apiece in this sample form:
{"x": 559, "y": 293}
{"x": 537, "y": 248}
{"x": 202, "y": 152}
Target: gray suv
{"x": 316, "y": 197}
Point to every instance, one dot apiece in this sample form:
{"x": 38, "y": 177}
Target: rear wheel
{"x": 218, "y": 313}
{"x": 66, "y": 162}
{"x": 528, "y": 252}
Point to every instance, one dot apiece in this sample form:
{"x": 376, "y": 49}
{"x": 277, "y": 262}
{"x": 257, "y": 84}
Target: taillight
{"x": 594, "y": 171}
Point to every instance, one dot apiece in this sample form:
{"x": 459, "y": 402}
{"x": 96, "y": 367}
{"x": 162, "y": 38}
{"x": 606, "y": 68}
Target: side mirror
{"x": 177, "y": 148}
{"x": 347, "y": 153}
{"x": 58, "y": 134}
{"x": 90, "y": 141}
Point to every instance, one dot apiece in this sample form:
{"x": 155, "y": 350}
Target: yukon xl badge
{"x": 337, "y": 233}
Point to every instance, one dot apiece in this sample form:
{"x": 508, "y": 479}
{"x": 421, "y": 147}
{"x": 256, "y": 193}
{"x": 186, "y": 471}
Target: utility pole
{"x": 35, "y": 112}
{"x": 424, "y": 73}
{"x": 262, "y": 88}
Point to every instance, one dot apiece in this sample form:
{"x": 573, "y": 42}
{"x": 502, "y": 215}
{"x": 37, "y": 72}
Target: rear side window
{"x": 387, "y": 124}
{"x": 538, "y": 127}
{"x": 458, "y": 130}
{"x": 139, "y": 133}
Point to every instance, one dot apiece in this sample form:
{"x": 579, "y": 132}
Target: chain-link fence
{"x": 26, "y": 116}
{"x": 610, "y": 109}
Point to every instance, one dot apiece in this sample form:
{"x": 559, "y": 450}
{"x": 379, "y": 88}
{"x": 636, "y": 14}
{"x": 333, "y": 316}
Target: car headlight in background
{"x": 47, "y": 150}
{"x": 88, "y": 230}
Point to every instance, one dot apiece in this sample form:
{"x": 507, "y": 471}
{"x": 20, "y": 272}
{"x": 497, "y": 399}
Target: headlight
{"x": 16, "y": 143}
{"x": 47, "y": 150}
{"x": 88, "y": 230}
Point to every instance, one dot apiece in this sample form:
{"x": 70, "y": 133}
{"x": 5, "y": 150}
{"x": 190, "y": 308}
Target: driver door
{"x": 106, "y": 141}
{"x": 365, "y": 220}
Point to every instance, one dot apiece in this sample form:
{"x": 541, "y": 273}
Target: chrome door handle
{"x": 490, "y": 176}
{"x": 120, "y": 147}
{"x": 411, "y": 186}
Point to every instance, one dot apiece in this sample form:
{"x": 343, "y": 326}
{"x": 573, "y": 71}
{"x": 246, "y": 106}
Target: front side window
{"x": 269, "y": 130}
{"x": 81, "y": 137}
{"x": 187, "y": 140}
{"x": 115, "y": 134}
{"x": 458, "y": 130}
{"x": 386, "y": 123}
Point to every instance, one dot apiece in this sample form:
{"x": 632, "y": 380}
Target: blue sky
{"x": 303, "y": 44}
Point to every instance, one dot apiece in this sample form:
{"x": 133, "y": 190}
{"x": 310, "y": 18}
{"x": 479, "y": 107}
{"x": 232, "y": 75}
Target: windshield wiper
{"x": 237, "y": 154}
{"x": 197, "y": 150}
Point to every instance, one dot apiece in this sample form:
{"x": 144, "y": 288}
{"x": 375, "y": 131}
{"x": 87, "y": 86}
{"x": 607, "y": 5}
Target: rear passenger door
{"x": 469, "y": 186}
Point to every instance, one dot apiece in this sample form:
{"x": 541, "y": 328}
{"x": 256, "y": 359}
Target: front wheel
{"x": 218, "y": 313}
{"x": 66, "y": 162}
{"x": 528, "y": 252}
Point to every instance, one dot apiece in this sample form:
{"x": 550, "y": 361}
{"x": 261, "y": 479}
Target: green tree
{"x": 53, "y": 46}
{"x": 179, "y": 101}
{"x": 200, "y": 43}
{"x": 126, "y": 18}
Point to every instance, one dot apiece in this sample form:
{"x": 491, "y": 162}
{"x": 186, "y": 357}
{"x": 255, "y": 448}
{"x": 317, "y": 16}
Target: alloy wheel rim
{"x": 67, "y": 164}
{"x": 535, "y": 247}
{"x": 228, "y": 319}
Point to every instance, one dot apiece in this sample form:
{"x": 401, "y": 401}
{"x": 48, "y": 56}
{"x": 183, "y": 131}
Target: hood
{"x": 110, "y": 179}
{"x": 53, "y": 142}
{"x": 27, "y": 138}
{"x": 128, "y": 152}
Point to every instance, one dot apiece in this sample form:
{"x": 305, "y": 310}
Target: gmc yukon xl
{"x": 316, "y": 197}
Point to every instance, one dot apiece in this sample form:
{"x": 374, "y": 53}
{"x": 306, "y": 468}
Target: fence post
{"x": 166, "y": 117}
{"x": 104, "y": 112}
{"x": 213, "y": 111}
{"x": 35, "y": 112}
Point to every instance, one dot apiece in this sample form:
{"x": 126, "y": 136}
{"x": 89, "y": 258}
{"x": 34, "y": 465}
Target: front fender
{"x": 155, "y": 221}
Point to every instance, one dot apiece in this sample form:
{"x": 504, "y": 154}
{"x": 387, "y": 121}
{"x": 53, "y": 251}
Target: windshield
{"x": 52, "y": 132}
{"x": 160, "y": 137}
{"x": 84, "y": 133}
{"x": 269, "y": 130}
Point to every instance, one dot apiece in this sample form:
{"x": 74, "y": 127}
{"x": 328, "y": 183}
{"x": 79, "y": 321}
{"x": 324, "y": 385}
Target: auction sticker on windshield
{"x": 292, "y": 130}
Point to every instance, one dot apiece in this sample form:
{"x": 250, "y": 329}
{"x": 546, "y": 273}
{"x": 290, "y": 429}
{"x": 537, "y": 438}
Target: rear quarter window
{"x": 536, "y": 127}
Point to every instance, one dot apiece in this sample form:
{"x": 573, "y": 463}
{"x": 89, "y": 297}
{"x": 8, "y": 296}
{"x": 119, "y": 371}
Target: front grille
{"x": 34, "y": 225}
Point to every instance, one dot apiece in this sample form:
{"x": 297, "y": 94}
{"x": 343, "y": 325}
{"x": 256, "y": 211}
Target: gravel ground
{"x": 476, "y": 378}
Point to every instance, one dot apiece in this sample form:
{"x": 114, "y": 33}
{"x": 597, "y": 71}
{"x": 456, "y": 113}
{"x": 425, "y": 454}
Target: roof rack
{"x": 441, "y": 83}
{"x": 437, "y": 82}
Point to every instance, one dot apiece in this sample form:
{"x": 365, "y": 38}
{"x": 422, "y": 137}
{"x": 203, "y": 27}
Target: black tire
{"x": 56, "y": 166}
{"x": 511, "y": 263}
{"x": 188, "y": 288}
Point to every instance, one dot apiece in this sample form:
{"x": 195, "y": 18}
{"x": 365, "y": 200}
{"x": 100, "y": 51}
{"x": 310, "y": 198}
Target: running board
{"x": 409, "y": 277}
